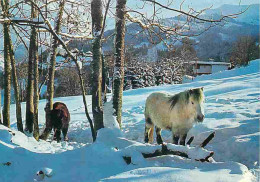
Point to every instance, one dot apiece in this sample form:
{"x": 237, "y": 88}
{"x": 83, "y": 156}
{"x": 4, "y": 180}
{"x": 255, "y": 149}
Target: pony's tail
{"x": 150, "y": 135}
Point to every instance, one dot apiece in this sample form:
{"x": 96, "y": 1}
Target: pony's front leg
{"x": 148, "y": 133}
{"x": 175, "y": 139}
{"x": 183, "y": 138}
{"x": 158, "y": 135}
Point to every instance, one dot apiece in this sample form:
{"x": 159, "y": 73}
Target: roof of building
{"x": 210, "y": 63}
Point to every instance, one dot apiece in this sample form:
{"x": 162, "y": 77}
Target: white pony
{"x": 177, "y": 113}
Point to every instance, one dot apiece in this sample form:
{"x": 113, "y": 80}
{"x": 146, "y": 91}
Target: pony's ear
{"x": 202, "y": 88}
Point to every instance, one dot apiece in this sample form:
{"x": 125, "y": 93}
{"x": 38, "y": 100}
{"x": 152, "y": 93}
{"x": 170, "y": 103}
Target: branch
{"x": 105, "y": 17}
{"x": 83, "y": 37}
{"x": 21, "y": 21}
{"x": 195, "y": 16}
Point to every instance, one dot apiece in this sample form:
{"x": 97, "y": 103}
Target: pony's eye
{"x": 192, "y": 102}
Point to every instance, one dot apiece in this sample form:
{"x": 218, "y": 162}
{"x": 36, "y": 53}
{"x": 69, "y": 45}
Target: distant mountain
{"x": 246, "y": 23}
{"x": 250, "y": 16}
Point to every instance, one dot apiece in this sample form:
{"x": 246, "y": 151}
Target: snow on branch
{"x": 21, "y": 21}
{"x": 198, "y": 153}
{"x": 83, "y": 37}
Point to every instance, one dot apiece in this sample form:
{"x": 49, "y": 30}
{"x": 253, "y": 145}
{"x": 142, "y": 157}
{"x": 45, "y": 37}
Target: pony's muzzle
{"x": 200, "y": 118}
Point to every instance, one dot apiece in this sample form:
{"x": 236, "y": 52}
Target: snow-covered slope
{"x": 250, "y": 16}
{"x": 232, "y": 111}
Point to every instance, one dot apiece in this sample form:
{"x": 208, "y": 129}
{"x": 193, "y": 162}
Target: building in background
{"x": 202, "y": 67}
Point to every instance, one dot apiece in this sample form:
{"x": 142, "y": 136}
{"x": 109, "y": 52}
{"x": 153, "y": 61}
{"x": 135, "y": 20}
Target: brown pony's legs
{"x": 57, "y": 133}
{"x": 64, "y": 132}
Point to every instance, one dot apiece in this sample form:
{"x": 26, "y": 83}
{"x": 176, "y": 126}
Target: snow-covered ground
{"x": 231, "y": 109}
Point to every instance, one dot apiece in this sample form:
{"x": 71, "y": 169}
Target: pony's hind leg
{"x": 158, "y": 135}
{"x": 175, "y": 139}
{"x": 183, "y": 138}
{"x": 64, "y": 132}
{"x": 148, "y": 132}
{"x": 57, "y": 133}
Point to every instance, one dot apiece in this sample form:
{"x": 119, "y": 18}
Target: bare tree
{"x": 244, "y": 50}
{"x": 9, "y": 49}
{"x": 15, "y": 86}
{"x": 50, "y": 87}
{"x": 168, "y": 32}
{"x": 7, "y": 67}
{"x": 36, "y": 84}
{"x": 0, "y": 105}
{"x": 119, "y": 59}
{"x": 97, "y": 103}
{"x": 30, "y": 86}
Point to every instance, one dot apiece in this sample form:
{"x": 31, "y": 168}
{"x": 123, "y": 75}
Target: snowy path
{"x": 231, "y": 109}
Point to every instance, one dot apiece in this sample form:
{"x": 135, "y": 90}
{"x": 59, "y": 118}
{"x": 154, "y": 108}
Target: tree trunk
{"x": 104, "y": 79}
{"x": 36, "y": 85}
{"x": 7, "y": 68}
{"x": 85, "y": 101}
{"x": 119, "y": 60}
{"x": 97, "y": 104}
{"x": 30, "y": 85}
{"x": 16, "y": 86}
{"x": 0, "y": 105}
{"x": 50, "y": 86}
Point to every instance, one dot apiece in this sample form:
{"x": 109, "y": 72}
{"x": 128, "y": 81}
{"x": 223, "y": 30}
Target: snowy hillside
{"x": 250, "y": 16}
{"x": 231, "y": 110}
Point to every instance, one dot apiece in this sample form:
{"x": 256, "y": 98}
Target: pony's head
{"x": 195, "y": 103}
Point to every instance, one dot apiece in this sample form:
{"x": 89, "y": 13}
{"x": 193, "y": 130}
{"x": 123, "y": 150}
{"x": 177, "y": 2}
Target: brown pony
{"x": 60, "y": 118}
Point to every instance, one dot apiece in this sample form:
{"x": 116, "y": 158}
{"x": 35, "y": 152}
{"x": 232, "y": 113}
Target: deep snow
{"x": 231, "y": 109}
